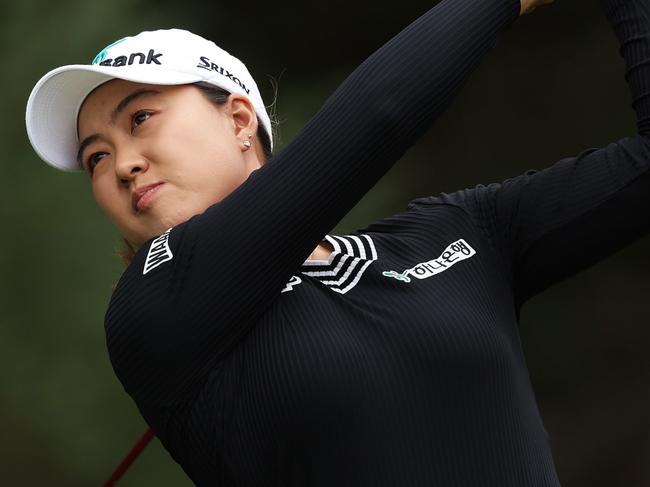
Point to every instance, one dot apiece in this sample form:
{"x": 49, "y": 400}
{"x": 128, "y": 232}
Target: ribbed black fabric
{"x": 398, "y": 361}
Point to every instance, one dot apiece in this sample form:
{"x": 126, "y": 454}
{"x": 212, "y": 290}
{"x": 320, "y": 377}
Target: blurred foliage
{"x": 553, "y": 87}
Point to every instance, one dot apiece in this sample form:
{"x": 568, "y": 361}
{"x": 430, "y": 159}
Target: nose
{"x": 129, "y": 165}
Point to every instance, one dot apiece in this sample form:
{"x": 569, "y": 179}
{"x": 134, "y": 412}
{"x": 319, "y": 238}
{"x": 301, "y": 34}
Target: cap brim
{"x": 53, "y": 106}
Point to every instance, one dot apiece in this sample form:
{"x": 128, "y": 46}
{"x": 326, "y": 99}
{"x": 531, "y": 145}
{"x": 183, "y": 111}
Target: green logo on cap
{"x": 104, "y": 52}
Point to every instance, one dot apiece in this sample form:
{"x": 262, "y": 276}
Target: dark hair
{"x": 126, "y": 253}
{"x": 219, "y": 96}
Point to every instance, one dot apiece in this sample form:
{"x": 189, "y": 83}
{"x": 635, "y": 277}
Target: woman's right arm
{"x": 168, "y": 328}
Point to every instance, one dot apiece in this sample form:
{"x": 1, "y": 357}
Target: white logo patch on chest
{"x": 159, "y": 252}
{"x": 454, "y": 253}
{"x": 293, "y": 282}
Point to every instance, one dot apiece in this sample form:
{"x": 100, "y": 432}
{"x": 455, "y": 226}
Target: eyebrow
{"x": 121, "y": 106}
{"x": 85, "y": 143}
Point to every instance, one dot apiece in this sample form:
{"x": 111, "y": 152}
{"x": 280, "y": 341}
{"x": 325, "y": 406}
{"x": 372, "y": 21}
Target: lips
{"x": 141, "y": 197}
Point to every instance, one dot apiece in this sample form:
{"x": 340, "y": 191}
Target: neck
{"x": 322, "y": 252}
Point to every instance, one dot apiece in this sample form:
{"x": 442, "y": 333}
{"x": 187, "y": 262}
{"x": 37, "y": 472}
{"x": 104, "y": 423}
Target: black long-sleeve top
{"x": 398, "y": 360}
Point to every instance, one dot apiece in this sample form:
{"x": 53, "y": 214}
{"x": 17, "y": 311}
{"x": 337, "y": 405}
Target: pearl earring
{"x": 247, "y": 143}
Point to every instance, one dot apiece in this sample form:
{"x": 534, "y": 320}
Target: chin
{"x": 138, "y": 238}
{"x": 157, "y": 225}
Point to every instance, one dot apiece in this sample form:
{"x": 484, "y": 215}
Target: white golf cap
{"x": 162, "y": 57}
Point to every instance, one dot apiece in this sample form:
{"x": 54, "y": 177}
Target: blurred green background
{"x": 553, "y": 87}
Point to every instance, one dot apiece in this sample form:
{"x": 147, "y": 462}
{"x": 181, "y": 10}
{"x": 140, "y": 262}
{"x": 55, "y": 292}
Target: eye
{"x": 93, "y": 160}
{"x": 139, "y": 118}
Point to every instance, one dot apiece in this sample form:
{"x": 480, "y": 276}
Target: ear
{"x": 243, "y": 116}
{"x": 245, "y": 123}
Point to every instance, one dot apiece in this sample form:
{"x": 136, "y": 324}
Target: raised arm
{"x": 549, "y": 224}
{"x": 167, "y": 329}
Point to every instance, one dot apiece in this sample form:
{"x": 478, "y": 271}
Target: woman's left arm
{"x": 550, "y": 224}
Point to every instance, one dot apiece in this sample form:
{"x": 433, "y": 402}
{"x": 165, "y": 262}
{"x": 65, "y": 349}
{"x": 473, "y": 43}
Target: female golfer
{"x": 391, "y": 356}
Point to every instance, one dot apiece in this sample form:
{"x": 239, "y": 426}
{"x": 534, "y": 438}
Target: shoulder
{"x": 146, "y": 288}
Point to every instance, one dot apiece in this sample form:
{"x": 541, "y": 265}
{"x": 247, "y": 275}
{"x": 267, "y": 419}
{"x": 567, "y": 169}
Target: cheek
{"x": 113, "y": 205}
{"x": 103, "y": 196}
{"x": 213, "y": 182}
{"x": 197, "y": 139}
{"x": 208, "y": 167}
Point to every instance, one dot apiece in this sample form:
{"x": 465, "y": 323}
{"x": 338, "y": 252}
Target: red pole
{"x": 129, "y": 459}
